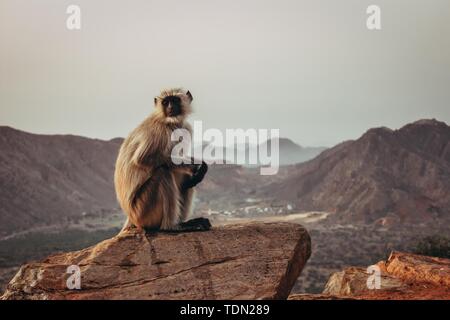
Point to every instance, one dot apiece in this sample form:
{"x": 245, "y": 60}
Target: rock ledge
{"x": 404, "y": 276}
{"x": 249, "y": 261}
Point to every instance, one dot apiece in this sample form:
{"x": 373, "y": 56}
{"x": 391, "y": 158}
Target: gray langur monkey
{"x": 153, "y": 192}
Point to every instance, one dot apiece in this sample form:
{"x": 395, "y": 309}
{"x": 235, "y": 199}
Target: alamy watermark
{"x": 74, "y": 280}
{"x": 373, "y": 21}
{"x": 73, "y": 21}
{"x": 374, "y": 279}
{"x": 238, "y": 146}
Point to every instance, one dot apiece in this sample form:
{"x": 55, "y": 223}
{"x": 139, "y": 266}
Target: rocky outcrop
{"x": 404, "y": 276}
{"x": 416, "y": 268}
{"x": 353, "y": 281}
{"x": 250, "y": 261}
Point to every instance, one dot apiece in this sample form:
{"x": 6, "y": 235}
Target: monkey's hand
{"x": 198, "y": 173}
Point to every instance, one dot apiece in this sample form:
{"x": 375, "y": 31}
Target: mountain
{"x": 292, "y": 153}
{"x": 385, "y": 176}
{"x": 57, "y": 179}
{"x": 289, "y": 151}
{"x": 46, "y": 179}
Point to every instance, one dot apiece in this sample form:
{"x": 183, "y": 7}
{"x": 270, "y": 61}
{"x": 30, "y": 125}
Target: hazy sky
{"x": 310, "y": 68}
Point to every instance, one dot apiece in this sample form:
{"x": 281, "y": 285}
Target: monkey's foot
{"x": 198, "y": 224}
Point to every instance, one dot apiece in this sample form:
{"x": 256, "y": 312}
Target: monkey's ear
{"x": 189, "y": 96}
{"x": 156, "y": 100}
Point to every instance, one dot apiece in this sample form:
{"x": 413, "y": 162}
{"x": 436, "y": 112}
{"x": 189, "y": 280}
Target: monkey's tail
{"x": 126, "y": 226}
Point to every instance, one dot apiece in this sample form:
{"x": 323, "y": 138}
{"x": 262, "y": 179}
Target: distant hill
{"x": 289, "y": 151}
{"x": 44, "y": 179}
{"x": 385, "y": 176}
{"x": 50, "y": 179}
{"x": 292, "y": 153}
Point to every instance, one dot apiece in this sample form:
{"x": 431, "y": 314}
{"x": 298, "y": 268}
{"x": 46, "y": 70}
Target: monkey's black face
{"x": 172, "y": 106}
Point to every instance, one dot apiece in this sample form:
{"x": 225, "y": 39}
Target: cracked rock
{"x": 247, "y": 261}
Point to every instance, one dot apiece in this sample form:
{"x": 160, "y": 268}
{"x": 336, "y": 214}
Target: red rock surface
{"x": 251, "y": 261}
{"x": 416, "y": 268}
{"x": 404, "y": 276}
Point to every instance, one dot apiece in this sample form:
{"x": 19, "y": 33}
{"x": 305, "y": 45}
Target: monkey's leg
{"x": 155, "y": 205}
{"x": 198, "y": 224}
{"x": 170, "y": 199}
{"x": 187, "y": 199}
{"x": 177, "y": 203}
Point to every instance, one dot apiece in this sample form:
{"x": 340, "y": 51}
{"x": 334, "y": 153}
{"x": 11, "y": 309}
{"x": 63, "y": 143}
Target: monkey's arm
{"x": 197, "y": 177}
{"x": 151, "y": 152}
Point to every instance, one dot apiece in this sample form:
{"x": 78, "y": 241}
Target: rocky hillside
{"x": 250, "y": 261}
{"x": 404, "y": 276}
{"x": 46, "y": 179}
{"x": 386, "y": 176}
{"x": 52, "y": 179}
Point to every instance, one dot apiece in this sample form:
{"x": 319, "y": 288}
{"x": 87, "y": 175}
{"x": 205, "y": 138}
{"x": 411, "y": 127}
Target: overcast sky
{"x": 310, "y": 68}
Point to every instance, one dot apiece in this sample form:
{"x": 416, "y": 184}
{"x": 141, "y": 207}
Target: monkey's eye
{"x": 165, "y": 102}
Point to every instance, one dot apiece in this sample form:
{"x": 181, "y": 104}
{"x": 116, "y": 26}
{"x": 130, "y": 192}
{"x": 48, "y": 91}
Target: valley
{"x": 359, "y": 200}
